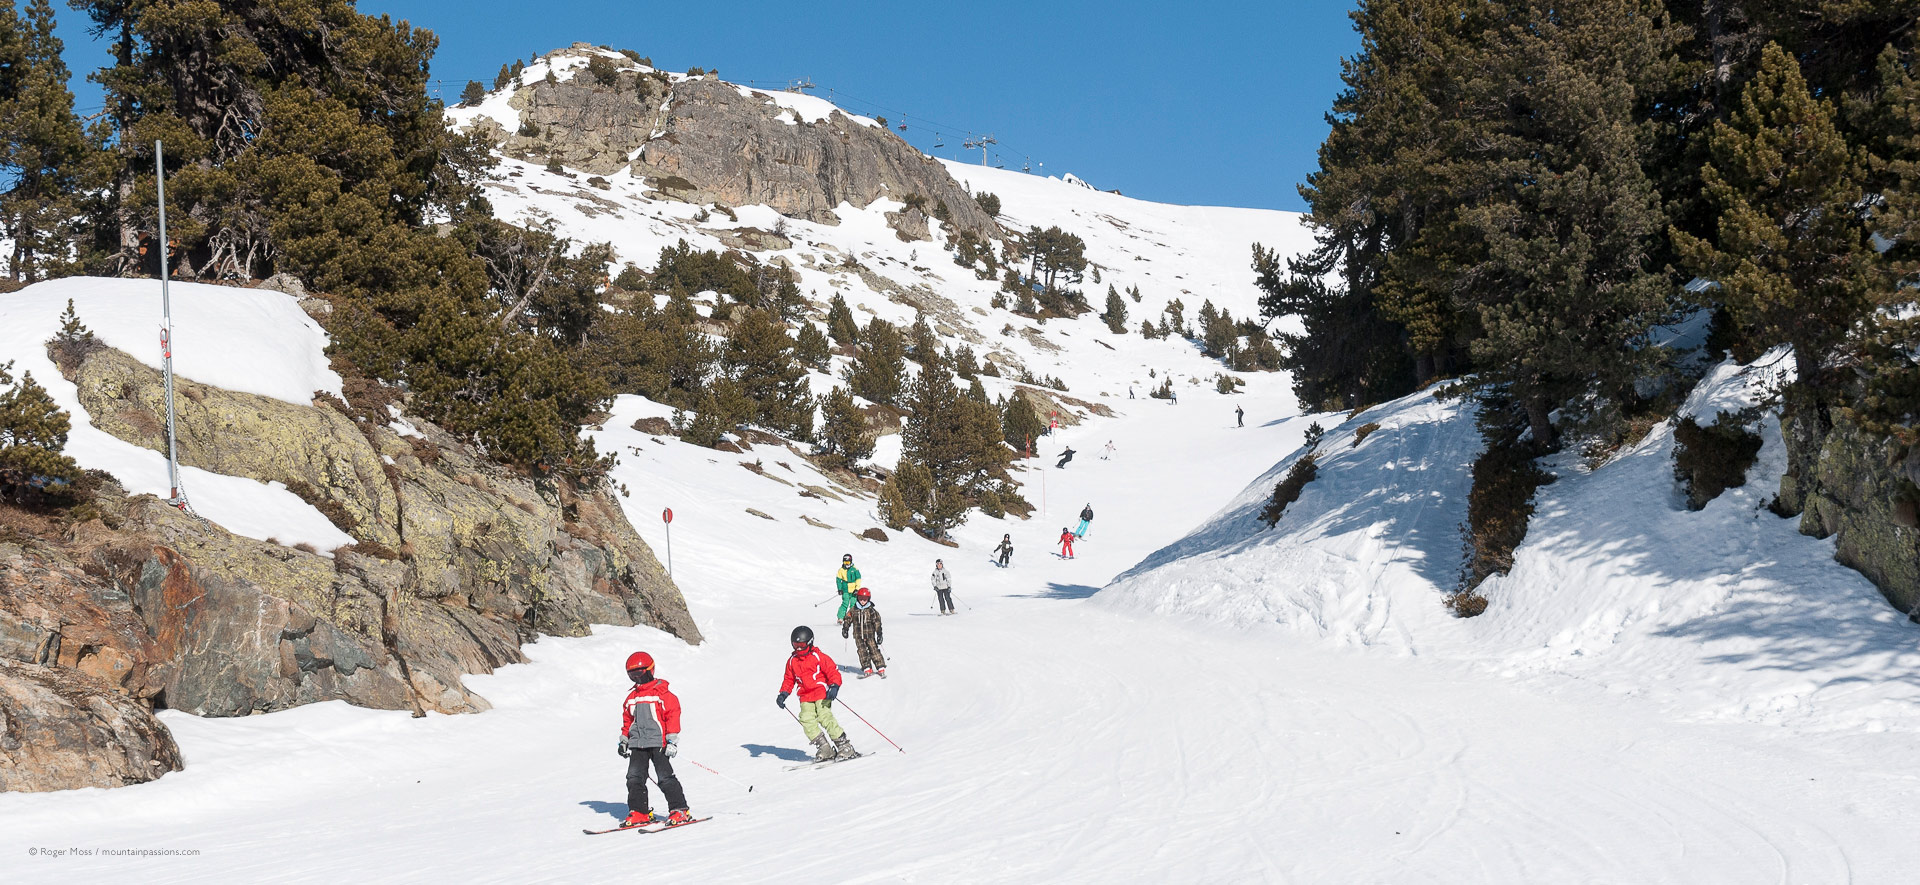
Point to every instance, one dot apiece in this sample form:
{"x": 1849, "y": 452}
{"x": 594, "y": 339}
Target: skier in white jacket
{"x": 943, "y": 587}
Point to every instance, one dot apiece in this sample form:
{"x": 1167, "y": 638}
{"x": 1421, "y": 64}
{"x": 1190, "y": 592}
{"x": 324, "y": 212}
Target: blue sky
{"x": 1202, "y": 102}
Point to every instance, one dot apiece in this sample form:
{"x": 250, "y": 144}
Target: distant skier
{"x": 1130, "y": 391}
{"x": 1065, "y": 456}
{"x": 847, "y": 580}
{"x": 943, "y": 587}
{"x": 1086, "y": 519}
{"x": 1005, "y": 549}
{"x": 1240, "y": 415}
{"x": 1173, "y": 396}
{"x": 864, "y": 622}
{"x": 819, "y": 681}
{"x": 1106, "y": 454}
{"x": 650, "y": 735}
{"x": 1066, "y": 543}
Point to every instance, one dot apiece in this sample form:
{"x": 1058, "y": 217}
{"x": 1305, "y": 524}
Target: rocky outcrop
{"x": 1863, "y": 490}
{"x": 460, "y": 561}
{"x": 61, "y": 729}
{"x": 705, "y": 141}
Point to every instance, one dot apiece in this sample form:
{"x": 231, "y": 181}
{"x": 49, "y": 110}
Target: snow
{"x": 807, "y": 108}
{"x": 1654, "y": 695}
{"x": 247, "y": 340}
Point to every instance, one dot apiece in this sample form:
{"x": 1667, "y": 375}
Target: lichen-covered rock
{"x": 317, "y": 452}
{"x": 1862, "y": 490}
{"x": 61, "y": 729}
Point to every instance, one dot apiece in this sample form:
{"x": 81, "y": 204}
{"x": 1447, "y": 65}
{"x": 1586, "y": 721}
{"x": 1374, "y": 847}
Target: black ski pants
{"x": 637, "y": 779}
{"x": 946, "y": 598}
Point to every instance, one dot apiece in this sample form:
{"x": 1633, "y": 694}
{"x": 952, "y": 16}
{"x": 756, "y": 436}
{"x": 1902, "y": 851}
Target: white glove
{"x": 673, "y": 745}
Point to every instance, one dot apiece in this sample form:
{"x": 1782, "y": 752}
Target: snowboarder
{"x": 1240, "y": 415}
{"x": 650, "y": 735}
{"x": 1086, "y": 519}
{"x": 1107, "y": 453}
{"x": 864, "y": 621}
{"x": 1005, "y": 549}
{"x": 1065, "y": 456}
{"x": 819, "y": 681}
{"x": 1066, "y": 543}
{"x": 848, "y": 580}
{"x": 943, "y": 587}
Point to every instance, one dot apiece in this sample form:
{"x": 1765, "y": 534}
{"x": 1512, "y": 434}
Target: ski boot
{"x": 865, "y": 673}
{"x": 883, "y": 672}
{"x": 637, "y": 819}
{"x": 823, "y": 749}
{"x": 844, "y": 747}
{"x": 679, "y": 817}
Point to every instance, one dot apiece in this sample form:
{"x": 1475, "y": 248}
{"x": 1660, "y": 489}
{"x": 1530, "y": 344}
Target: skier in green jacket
{"x": 848, "y": 580}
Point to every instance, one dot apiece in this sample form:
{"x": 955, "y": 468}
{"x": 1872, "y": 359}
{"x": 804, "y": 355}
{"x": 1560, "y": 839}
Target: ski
{"x": 648, "y": 827}
{"x": 826, "y": 762}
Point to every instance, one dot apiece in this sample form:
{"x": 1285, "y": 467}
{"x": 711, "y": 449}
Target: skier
{"x": 1065, "y": 456}
{"x": 1066, "y": 543}
{"x": 1130, "y": 391}
{"x": 650, "y": 734}
{"x": 1086, "y": 519}
{"x": 1005, "y": 549}
{"x": 1107, "y": 453}
{"x": 1173, "y": 397}
{"x": 864, "y": 620}
{"x": 1240, "y": 415}
{"x": 847, "y": 580}
{"x": 819, "y": 681}
{"x": 943, "y": 587}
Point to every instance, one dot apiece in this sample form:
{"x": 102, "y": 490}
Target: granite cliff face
{"x": 1860, "y": 488}
{"x": 704, "y": 140}
{"x": 459, "y": 562}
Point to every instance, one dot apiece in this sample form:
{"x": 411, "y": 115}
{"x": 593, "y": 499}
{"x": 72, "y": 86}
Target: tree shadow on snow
{"x": 1061, "y": 591}
{"x": 783, "y": 753}
{"x": 616, "y": 810}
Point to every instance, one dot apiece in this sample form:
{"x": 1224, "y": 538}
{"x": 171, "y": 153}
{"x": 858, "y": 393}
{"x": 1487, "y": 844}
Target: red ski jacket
{"x": 813, "y": 671}
{"x": 649, "y": 715}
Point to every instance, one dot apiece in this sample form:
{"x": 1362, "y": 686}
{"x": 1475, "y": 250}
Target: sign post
{"x": 666, "y": 516}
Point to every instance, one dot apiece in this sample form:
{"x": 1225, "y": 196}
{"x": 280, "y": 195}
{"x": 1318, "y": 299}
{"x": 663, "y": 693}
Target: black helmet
{"x": 802, "y": 636}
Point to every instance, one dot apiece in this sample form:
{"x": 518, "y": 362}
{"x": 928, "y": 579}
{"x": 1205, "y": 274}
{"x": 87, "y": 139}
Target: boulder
{"x": 61, "y": 729}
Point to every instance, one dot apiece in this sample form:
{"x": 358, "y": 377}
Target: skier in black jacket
{"x": 1065, "y": 457}
{"x": 1086, "y": 519}
{"x": 1005, "y": 549}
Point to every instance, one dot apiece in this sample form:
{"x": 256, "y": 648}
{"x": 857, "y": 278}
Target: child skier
{"x": 864, "y": 622}
{"x": 819, "y": 681}
{"x": 650, "y": 734}
{"x": 1005, "y": 549}
{"x": 1066, "y": 543}
{"x": 1086, "y": 519}
{"x": 847, "y": 580}
{"x": 943, "y": 587}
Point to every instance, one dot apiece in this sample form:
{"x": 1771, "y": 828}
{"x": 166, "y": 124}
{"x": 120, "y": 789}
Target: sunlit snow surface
{"x": 1653, "y": 696}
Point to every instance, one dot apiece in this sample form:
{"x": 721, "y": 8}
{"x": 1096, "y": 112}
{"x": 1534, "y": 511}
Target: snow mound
{"x": 247, "y": 340}
{"x": 1728, "y": 613}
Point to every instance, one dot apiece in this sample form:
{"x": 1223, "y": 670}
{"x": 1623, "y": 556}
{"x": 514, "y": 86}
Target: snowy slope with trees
{"x": 1654, "y": 695}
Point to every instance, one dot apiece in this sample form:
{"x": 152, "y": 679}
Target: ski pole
{"x": 748, "y": 786}
{"x": 826, "y": 600}
{"x": 883, "y": 736}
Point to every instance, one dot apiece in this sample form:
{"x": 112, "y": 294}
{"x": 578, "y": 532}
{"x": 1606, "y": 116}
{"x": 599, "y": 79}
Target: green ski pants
{"x": 815, "y": 715}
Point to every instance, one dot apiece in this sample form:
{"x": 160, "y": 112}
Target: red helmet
{"x": 863, "y": 593}
{"x": 639, "y": 660}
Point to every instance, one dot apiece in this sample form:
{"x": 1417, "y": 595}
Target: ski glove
{"x": 781, "y": 701}
{"x": 624, "y": 752}
{"x": 833, "y": 691}
{"x": 673, "y": 745}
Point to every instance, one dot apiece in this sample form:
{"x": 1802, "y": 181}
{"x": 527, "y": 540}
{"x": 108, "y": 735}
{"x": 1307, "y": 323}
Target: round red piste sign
{"x": 666, "y": 515}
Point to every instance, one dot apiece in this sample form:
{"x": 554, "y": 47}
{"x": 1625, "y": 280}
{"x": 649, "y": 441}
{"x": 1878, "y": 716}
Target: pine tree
{"x": 473, "y": 93}
{"x": 810, "y": 348}
{"x": 843, "y": 429}
{"x": 923, "y": 346}
{"x": 49, "y": 164}
{"x": 505, "y": 76}
{"x": 1116, "y": 315}
{"x": 879, "y": 363}
{"x": 1793, "y": 257}
{"x": 840, "y": 325}
{"x": 1021, "y": 424}
{"x": 758, "y": 356}
{"x": 33, "y": 431}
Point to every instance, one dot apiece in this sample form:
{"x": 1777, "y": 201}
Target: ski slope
{"x": 1048, "y": 737}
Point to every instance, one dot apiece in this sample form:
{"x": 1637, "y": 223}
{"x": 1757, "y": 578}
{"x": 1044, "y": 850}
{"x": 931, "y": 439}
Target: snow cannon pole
{"x": 166, "y": 325}
{"x": 748, "y": 786}
{"x": 863, "y": 720}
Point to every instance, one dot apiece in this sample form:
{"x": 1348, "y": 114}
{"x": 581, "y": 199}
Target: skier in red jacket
{"x": 650, "y": 733}
{"x": 1066, "y": 543}
{"x": 819, "y": 680}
